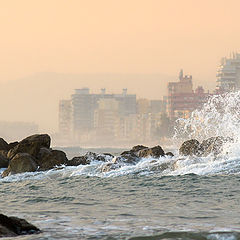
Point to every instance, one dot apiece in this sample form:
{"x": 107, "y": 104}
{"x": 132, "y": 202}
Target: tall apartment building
{"x": 106, "y": 119}
{"x": 228, "y": 73}
{"x": 85, "y": 104}
{"x": 182, "y": 99}
{"x": 65, "y": 119}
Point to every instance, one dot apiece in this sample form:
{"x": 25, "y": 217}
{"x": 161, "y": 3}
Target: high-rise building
{"x": 228, "y": 73}
{"x": 182, "y": 99}
{"x": 65, "y": 119}
{"x": 84, "y": 105}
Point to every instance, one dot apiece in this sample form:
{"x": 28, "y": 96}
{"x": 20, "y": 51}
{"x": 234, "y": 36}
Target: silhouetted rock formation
{"x": 14, "y": 226}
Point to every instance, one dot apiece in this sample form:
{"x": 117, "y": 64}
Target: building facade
{"x": 228, "y": 73}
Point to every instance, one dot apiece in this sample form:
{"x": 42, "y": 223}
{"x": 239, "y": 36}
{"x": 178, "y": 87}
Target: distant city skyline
{"x": 50, "y": 47}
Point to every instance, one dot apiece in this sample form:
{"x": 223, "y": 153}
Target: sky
{"x": 99, "y": 37}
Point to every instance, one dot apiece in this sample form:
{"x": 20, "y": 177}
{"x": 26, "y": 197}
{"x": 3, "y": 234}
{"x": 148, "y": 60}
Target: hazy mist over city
{"x": 51, "y": 47}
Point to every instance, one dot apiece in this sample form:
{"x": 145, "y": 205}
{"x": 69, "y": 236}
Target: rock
{"x": 3, "y": 162}
{"x": 127, "y": 158}
{"x": 12, "y": 145}
{"x": 77, "y": 161}
{"x": 14, "y": 226}
{"x": 3, "y": 153}
{"x": 22, "y": 162}
{"x": 134, "y": 150}
{"x": 213, "y": 145}
{"x": 3, "y": 144}
{"x": 88, "y": 157}
{"x": 31, "y": 145}
{"x": 155, "y": 152}
{"x": 104, "y": 157}
{"x": 109, "y": 167}
{"x": 170, "y": 154}
{"x": 190, "y": 147}
{"x": 48, "y": 159}
{"x": 138, "y": 148}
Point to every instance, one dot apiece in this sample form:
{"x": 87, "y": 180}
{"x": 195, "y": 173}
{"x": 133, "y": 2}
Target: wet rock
{"x": 22, "y": 162}
{"x": 31, "y": 145}
{"x": 213, "y": 145}
{"x": 48, "y": 159}
{"x": 14, "y": 226}
{"x": 3, "y": 161}
{"x": 170, "y": 154}
{"x": 3, "y": 145}
{"x": 189, "y": 148}
{"x": 3, "y": 153}
{"x": 155, "y": 152}
{"x": 77, "y": 161}
{"x": 89, "y": 157}
{"x": 109, "y": 167}
{"x": 138, "y": 148}
{"x": 12, "y": 145}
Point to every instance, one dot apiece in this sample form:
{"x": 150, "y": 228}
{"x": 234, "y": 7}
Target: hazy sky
{"x": 122, "y": 37}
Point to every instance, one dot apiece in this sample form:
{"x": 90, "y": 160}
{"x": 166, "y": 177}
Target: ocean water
{"x": 165, "y": 198}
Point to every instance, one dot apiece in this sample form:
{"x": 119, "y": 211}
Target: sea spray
{"x": 219, "y": 116}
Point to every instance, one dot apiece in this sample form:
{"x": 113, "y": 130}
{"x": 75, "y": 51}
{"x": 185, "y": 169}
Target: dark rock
{"x": 169, "y": 154}
{"x": 104, "y": 157}
{"x": 3, "y": 144}
{"x": 48, "y": 159}
{"x": 138, "y": 148}
{"x": 14, "y": 226}
{"x": 22, "y": 162}
{"x": 190, "y": 147}
{"x": 213, "y": 145}
{"x": 31, "y": 145}
{"x": 3, "y": 153}
{"x": 134, "y": 150}
{"x": 127, "y": 158}
{"x": 3, "y": 162}
{"x": 155, "y": 152}
{"x": 88, "y": 157}
{"x": 78, "y": 161}
{"x": 12, "y": 145}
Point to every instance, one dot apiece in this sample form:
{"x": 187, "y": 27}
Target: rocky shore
{"x": 34, "y": 154}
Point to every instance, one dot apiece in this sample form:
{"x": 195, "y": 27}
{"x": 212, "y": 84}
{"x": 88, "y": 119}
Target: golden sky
{"x": 122, "y": 37}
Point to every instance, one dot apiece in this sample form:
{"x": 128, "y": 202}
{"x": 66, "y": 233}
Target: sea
{"x": 192, "y": 198}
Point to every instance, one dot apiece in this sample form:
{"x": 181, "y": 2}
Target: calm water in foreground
{"x": 132, "y": 203}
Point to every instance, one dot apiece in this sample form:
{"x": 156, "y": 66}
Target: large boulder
{"x": 213, "y": 145}
{"x": 3, "y": 161}
{"x": 22, "y": 162}
{"x": 3, "y": 144}
{"x": 31, "y": 145}
{"x": 48, "y": 159}
{"x": 14, "y": 226}
{"x": 190, "y": 148}
{"x": 155, "y": 152}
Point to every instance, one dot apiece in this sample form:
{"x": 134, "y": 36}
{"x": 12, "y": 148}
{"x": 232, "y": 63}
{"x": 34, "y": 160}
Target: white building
{"x": 228, "y": 73}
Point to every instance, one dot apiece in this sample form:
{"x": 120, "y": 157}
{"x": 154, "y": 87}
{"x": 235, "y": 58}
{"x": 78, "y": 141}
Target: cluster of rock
{"x": 34, "y": 154}
{"x": 14, "y": 226}
{"x": 213, "y": 145}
